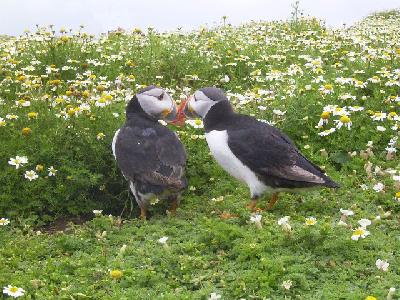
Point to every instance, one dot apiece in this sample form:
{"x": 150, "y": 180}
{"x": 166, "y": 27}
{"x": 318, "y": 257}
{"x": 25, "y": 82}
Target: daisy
{"x": 100, "y": 136}
{"x": 347, "y": 96}
{"x": 97, "y": 212}
{"x": 225, "y": 79}
{"x": 116, "y": 274}
{"x": 31, "y": 175}
{"x": 356, "y": 108}
{"x": 379, "y": 116}
{"x": 18, "y": 161}
{"x": 52, "y": 171}
{"x": 256, "y": 219}
{"x": 390, "y": 294}
{"x": 364, "y": 223}
{"x": 22, "y": 103}
{"x": 340, "y": 111}
{"x": 360, "y": 232}
{"x": 284, "y": 222}
{"x": 382, "y": 265}
{"x": 327, "y": 132}
{"x": 2, "y": 122}
{"x": 4, "y": 221}
{"x": 11, "y": 117}
{"x": 13, "y": 291}
{"x": 163, "y": 240}
{"x": 279, "y": 112}
{"x": 397, "y": 196}
{"x": 380, "y": 128}
{"x": 33, "y": 115}
{"x": 195, "y": 123}
{"x": 344, "y": 121}
{"x": 287, "y": 284}
{"x": 326, "y": 89}
{"x": 310, "y": 221}
{"x": 379, "y": 187}
{"x": 346, "y": 212}
{"x": 214, "y": 296}
{"x": 324, "y": 118}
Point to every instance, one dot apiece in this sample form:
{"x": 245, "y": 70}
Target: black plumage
{"x": 266, "y": 151}
{"x": 151, "y": 158}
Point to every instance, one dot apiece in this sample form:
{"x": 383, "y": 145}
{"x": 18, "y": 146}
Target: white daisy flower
{"x": 31, "y": 175}
{"x": 18, "y": 161}
{"x": 382, "y": 265}
{"x": 13, "y": 291}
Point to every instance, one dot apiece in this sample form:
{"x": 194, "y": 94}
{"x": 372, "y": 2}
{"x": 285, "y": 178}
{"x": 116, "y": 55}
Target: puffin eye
{"x": 160, "y": 97}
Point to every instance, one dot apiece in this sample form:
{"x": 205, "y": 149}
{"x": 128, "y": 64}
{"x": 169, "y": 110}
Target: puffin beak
{"x": 169, "y": 114}
{"x": 165, "y": 113}
{"x": 188, "y": 110}
{"x": 180, "y": 116}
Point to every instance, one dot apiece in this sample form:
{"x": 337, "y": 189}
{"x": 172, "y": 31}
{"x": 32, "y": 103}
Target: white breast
{"x": 218, "y": 144}
{"x": 114, "y": 141}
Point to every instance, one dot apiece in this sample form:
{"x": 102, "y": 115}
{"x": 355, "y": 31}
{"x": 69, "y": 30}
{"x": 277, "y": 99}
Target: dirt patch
{"x": 62, "y": 224}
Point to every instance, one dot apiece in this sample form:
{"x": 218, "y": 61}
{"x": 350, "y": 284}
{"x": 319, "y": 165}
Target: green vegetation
{"x": 334, "y": 92}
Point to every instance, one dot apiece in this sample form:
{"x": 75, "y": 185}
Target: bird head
{"x": 155, "y": 102}
{"x": 202, "y": 100}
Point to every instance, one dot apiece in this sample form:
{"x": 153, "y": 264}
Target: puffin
{"x": 150, "y": 156}
{"x": 253, "y": 152}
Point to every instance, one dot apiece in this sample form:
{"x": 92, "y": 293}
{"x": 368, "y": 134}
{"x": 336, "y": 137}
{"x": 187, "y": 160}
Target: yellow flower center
{"x": 2, "y": 222}
{"x": 325, "y": 115}
{"x": 13, "y": 289}
{"x": 26, "y": 131}
{"x": 197, "y": 122}
{"x": 345, "y": 119}
{"x": 32, "y": 115}
{"x": 310, "y": 222}
{"x": 116, "y": 274}
{"x": 398, "y": 194}
{"x": 85, "y": 94}
{"x": 328, "y": 86}
{"x": 358, "y": 231}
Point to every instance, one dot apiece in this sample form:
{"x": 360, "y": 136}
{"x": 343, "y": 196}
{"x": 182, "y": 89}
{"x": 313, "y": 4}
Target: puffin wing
{"x": 151, "y": 155}
{"x": 273, "y": 157}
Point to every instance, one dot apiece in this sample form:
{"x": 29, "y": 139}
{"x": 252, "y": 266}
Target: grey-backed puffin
{"x": 151, "y": 156}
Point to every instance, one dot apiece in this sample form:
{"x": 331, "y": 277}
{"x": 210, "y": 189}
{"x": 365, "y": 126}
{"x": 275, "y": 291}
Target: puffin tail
{"x": 330, "y": 183}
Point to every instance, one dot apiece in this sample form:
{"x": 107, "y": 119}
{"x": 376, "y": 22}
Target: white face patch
{"x": 155, "y": 102}
{"x": 200, "y": 103}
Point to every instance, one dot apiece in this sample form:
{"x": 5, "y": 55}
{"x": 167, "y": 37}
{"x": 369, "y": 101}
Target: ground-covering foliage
{"x": 334, "y": 92}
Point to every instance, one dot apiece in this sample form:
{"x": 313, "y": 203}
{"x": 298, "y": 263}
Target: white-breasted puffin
{"x": 252, "y": 151}
{"x": 151, "y": 156}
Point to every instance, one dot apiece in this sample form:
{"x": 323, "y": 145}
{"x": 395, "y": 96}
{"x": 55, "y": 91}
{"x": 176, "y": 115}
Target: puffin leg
{"x": 174, "y": 206}
{"x": 143, "y": 213}
{"x": 272, "y": 201}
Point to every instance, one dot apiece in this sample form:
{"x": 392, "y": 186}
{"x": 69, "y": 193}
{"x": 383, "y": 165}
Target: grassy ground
{"x": 293, "y": 74}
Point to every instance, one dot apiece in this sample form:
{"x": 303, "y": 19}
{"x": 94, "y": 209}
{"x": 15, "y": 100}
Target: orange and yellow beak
{"x": 165, "y": 113}
{"x": 180, "y": 116}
